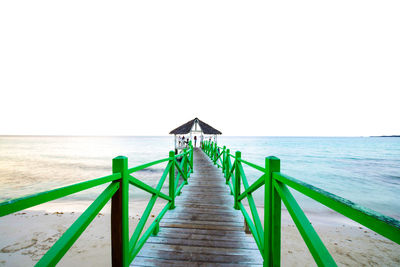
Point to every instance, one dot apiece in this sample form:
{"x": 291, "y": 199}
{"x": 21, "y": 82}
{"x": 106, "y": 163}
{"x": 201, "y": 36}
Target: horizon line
{"x": 168, "y": 135}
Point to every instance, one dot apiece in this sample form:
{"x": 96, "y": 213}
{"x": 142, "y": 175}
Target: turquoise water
{"x": 364, "y": 170}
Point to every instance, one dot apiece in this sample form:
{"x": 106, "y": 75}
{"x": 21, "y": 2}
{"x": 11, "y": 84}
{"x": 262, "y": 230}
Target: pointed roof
{"x": 187, "y": 127}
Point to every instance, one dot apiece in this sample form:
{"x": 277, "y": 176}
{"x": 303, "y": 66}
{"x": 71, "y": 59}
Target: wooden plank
{"x": 210, "y": 202}
{"x": 203, "y": 229}
{"x": 251, "y": 253}
{"x": 201, "y": 226}
{"x": 202, "y": 222}
{"x": 144, "y": 261}
{"x": 207, "y": 195}
{"x": 225, "y": 212}
{"x": 216, "y": 217}
{"x": 204, "y": 232}
{"x": 203, "y": 243}
{"x": 198, "y": 256}
{"x": 179, "y": 235}
{"x": 189, "y": 203}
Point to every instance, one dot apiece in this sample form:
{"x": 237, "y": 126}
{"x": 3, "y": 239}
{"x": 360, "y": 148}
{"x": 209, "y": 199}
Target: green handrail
{"x": 268, "y": 239}
{"x": 123, "y": 249}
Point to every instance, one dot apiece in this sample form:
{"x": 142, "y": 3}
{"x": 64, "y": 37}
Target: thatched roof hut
{"x": 187, "y": 128}
{"x": 194, "y": 127}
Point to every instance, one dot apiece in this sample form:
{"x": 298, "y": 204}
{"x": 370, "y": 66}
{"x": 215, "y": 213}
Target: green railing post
{"x": 227, "y": 167}
{"x": 191, "y": 160}
{"x": 272, "y": 216}
{"x": 223, "y": 159}
{"x": 236, "y": 190}
{"x": 212, "y": 150}
{"x": 172, "y": 179}
{"x": 120, "y": 215}
{"x": 215, "y": 153}
{"x": 185, "y": 165}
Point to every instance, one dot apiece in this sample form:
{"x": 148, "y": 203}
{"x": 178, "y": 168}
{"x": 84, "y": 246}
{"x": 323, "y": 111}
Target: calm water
{"x": 364, "y": 170}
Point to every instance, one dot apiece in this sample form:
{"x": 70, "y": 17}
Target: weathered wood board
{"x": 203, "y": 229}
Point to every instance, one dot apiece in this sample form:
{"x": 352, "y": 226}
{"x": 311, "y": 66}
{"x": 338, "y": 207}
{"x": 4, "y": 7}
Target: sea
{"x": 365, "y": 170}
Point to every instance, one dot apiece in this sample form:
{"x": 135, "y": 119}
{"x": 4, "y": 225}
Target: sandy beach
{"x": 27, "y": 235}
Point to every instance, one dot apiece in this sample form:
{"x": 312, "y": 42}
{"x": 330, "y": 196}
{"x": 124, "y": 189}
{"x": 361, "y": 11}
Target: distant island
{"x": 386, "y": 136}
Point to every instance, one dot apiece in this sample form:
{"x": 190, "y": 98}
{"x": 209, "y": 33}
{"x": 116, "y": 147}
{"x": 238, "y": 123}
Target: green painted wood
{"x": 259, "y": 168}
{"x": 383, "y": 225}
{"x": 135, "y": 250}
{"x": 317, "y": 248}
{"x": 180, "y": 172}
{"x": 139, "y": 184}
{"x": 120, "y": 215}
{"x": 257, "y": 184}
{"x": 252, "y": 205}
{"x": 172, "y": 180}
{"x": 191, "y": 159}
{"x": 252, "y": 227}
{"x": 58, "y": 250}
{"x": 142, "y": 222}
{"x": 223, "y": 163}
{"x": 144, "y": 166}
{"x": 236, "y": 186}
{"x": 179, "y": 189}
{"x": 229, "y": 167}
{"x": 185, "y": 165}
{"x": 14, "y": 205}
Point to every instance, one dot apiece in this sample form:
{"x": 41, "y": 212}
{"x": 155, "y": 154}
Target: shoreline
{"x": 28, "y": 234}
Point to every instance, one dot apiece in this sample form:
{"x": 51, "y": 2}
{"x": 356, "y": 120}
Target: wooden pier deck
{"x": 203, "y": 229}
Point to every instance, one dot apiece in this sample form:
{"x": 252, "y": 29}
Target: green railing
{"x": 276, "y": 189}
{"x": 123, "y": 249}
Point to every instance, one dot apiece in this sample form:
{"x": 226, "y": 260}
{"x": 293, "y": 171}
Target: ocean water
{"x": 365, "y": 170}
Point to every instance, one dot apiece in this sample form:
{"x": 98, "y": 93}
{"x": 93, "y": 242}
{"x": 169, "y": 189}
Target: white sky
{"x": 245, "y": 67}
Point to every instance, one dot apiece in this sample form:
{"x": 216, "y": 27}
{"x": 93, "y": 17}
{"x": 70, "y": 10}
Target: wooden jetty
{"x": 204, "y": 226}
{"x": 203, "y": 229}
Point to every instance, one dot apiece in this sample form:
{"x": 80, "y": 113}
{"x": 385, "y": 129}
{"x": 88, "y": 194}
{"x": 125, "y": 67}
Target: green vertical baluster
{"x": 272, "y": 216}
{"x": 191, "y": 160}
{"x": 212, "y": 151}
{"x": 120, "y": 215}
{"x": 223, "y": 160}
{"x": 236, "y": 190}
{"x": 215, "y": 153}
{"x": 185, "y": 165}
{"x": 172, "y": 179}
{"x": 227, "y": 166}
